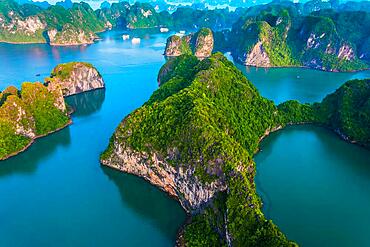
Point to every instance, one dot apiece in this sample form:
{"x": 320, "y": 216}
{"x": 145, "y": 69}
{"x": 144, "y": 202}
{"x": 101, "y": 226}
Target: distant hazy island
{"x": 79, "y": 24}
{"x": 196, "y": 136}
{"x": 278, "y": 36}
{"x": 321, "y": 35}
{"x": 39, "y": 109}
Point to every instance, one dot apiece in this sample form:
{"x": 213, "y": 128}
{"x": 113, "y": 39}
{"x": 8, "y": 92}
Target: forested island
{"x": 320, "y": 35}
{"x": 278, "y": 35}
{"x": 38, "y": 109}
{"x": 80, "y": 24}
{"x": 196, "y": 136}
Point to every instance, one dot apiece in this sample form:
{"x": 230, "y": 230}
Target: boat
{"x": 135, "y": 40}
{"x": 125, "y": 37}
{"x": 164, "y": 30}
{"x": 182, "y": 32}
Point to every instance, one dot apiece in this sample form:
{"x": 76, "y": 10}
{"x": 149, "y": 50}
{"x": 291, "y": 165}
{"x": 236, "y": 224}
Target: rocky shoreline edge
{"x": 34, "y": 139}
{"x": 180, "y": 233}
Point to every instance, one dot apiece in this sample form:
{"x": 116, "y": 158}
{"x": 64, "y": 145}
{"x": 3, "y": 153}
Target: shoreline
{"x": 300, "y": 67}
{"x": 337, "y": 132}
{"x": 304, "y": 67}
{"x": 69, "y": 113}
{"x": 46, "y": 43}
{"x": 180, "y": 232}
{"x": 34, "y": 139}
{"x": 21, "y": 42}
{"x": 188, "y": 215}
{"x": 237, "y": 62}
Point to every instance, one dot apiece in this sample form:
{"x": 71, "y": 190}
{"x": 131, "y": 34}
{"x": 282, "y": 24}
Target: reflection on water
{"x": 86, "y": 103}
{"x": 304, "y": 85}
{"x": 315, "y": 186}
{"x": 56, "y": 193}
{"x": 146, "y": 201}
{"x": 41, "y": 150}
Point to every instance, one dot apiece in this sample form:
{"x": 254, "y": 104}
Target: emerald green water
{"x": 304, "y": 85}
{"x": 57, "y": 194}
{"x": 315, "y": 187}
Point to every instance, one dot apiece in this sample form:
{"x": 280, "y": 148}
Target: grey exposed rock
{"x": 179, "y": 182}
{"x": 83, "y": 77}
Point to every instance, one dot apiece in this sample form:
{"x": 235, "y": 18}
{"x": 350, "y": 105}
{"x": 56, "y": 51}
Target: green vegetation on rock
{"x": 63, "y": 71}
{"x": 326, "y": 40}
{"x": 55, "y": 25}
{"x": 41, "y": 104}
{"x": 207, "y": 117}
{"x": 346, "y": 111}
{"x": 200, "y": 44}
{"x": 215, "y": 121}
{"x": 276, "y": 34}
{"x": 26, "y": 114}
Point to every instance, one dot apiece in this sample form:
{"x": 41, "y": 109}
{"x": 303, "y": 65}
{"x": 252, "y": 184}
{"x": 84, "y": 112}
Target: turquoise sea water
{"x": 57, "y": 194}
{"x": 304, "y": 85}
{"x": 315, "y": 187}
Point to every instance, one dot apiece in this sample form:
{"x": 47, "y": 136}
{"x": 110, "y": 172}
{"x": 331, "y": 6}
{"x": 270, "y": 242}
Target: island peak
{"x": 74, "y": 78}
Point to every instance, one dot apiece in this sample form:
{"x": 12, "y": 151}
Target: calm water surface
{"x": 315, "y": 187}
{"x": 304, "y": 85}
{"x": 57, "y": 194}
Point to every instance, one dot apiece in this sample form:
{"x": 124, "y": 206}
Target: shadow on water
{"x": 28, "y": 161}
{"x": 147, "y": 201}
{"x": 266, "y": 150}
{"x": 86, "y": 103}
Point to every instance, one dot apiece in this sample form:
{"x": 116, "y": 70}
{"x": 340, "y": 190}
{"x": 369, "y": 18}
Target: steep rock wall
{"x": 74, "y": 78}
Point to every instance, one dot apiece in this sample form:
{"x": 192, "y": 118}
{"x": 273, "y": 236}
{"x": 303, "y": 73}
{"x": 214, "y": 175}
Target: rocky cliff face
{"x": 317, "y": 41}
{"x": 39, "y": 109}
{"x": 346, "y": 52}
{"x": 22, "y": 29}
{"x": 74, "y": 78}
{"x": 200, "y": 44}
{"x": 15, "y": 111}
{"x": 29, "y": 25}
{"x": 258, "y": 56}
{"x": 70, "y": 36}
{"x": 193, "y": 141}
{"x": 174, "y": 46}
{"x": 204, "y": 43}
{"x": 179, "y": 182}
{"x": 56, "y": 25}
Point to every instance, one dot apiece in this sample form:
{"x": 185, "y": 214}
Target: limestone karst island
{"x": 185, "y": 123}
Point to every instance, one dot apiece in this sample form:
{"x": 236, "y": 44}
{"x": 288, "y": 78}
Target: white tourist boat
{"x": 135, "y": 40}
{"x": 125, "y": 37}
{"x": 164, "y": 30}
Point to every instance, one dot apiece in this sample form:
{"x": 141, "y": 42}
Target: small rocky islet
{"x": 200, "y": 44}
{"x": 38, "y": 109}
{"x": 196, "y": 136}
